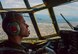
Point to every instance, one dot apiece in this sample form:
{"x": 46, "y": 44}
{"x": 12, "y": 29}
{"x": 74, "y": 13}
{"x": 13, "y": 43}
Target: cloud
{"x": 35, "y": 2}
{"x": 9, "y": 1}
{"x": 18, "y": 3}
{"x": 44, "y": 12}
{"x": 13, "y": 4}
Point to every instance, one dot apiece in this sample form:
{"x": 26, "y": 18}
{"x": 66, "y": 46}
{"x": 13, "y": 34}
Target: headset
{"x": 13, "y": 27}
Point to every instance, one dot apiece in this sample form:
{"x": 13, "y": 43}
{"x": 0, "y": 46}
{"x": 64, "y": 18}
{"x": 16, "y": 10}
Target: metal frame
{"x": 52, "y": 15}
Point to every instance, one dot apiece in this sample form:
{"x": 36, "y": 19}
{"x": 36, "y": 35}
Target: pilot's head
{"x": 14, "y": 25}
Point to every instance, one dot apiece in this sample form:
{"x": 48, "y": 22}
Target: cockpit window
{"x": 13, "y": 3}
{"x": 66, "y": 17}
{"x": 44, "y": 23}
{"x": 2, "y": 33}
{"x": 70, "y": 13}
{"x": 35, "y": 2}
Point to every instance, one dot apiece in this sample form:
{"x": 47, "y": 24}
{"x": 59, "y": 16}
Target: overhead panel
{"x": 52, "y": 3}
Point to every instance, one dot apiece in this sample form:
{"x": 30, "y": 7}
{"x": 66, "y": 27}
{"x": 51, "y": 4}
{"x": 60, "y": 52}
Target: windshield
{"x": 65, "y": 14}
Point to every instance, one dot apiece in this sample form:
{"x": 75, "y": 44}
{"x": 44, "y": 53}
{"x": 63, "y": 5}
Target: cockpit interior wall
{"x": 70, "y": 40}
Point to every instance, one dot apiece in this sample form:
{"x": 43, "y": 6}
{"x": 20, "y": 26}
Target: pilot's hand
{"x": 41, "y": 51}
{"x": 45, "y": 50}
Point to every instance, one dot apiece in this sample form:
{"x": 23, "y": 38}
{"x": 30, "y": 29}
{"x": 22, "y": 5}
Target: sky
{"x": 66, "y": 9}
{"x": 19, "y": 3}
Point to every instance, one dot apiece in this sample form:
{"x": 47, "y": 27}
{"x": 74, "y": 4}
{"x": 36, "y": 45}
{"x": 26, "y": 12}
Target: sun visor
{"x": 52, "y": 3}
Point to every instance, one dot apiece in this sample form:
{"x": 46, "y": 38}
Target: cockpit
{"x": 53, "y": 24}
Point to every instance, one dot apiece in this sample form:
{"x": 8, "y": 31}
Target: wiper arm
{"x": 72, "y": 27}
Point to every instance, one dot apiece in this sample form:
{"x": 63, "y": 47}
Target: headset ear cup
{"x": 13, "y": 28}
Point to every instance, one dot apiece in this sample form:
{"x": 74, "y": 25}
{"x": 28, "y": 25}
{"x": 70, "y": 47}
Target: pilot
{"x": 16, "y": 28}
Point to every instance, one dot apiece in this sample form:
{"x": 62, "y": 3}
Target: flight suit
{"x": 8, "y": 47}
